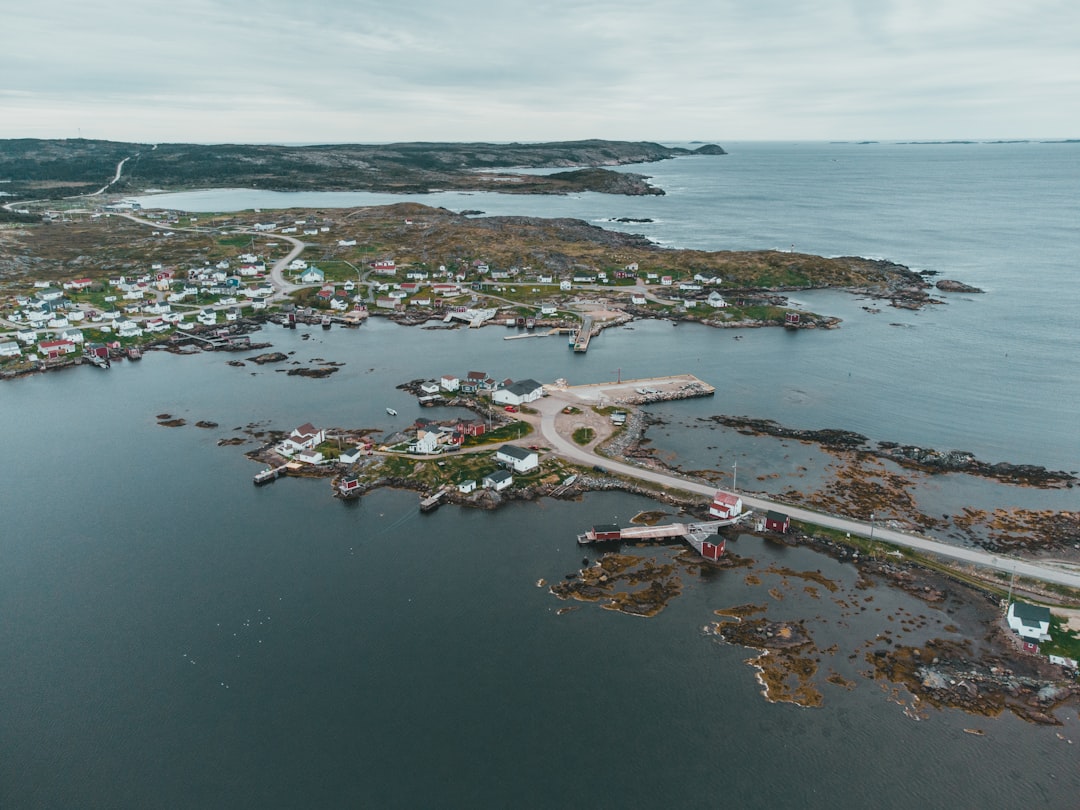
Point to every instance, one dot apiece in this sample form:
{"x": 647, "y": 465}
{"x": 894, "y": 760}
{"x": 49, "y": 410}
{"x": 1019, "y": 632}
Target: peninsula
{"x": 53, "y": 168}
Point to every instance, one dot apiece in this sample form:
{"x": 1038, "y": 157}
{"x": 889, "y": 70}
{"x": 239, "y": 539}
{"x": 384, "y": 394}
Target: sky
{"x": 331, "y": 71}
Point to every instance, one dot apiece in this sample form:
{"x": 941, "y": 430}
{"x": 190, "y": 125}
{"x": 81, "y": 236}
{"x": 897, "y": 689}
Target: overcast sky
{"x": 361, "y": 71}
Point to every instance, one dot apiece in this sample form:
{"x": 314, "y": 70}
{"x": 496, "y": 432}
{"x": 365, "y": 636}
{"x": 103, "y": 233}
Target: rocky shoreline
{"x": 910, "y": 456}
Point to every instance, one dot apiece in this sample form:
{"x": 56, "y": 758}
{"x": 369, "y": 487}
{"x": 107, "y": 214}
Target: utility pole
{"x": 872, "y": 534}
{"x": 735, "y": 477}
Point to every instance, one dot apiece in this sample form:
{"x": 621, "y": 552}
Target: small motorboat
{"x": 391, "y": 411}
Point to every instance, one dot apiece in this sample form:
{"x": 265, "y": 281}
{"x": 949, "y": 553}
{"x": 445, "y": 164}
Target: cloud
{"x": 730, "y": 69}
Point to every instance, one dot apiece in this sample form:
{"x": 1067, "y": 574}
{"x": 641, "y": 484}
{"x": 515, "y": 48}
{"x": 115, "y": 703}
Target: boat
{"x": 325, "y": 321}
{"x": 391, "y": 411}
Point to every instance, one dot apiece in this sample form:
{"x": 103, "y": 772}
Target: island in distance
{"x": 35, "y": 165}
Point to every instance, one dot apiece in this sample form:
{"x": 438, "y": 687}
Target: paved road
{"x": 277, "y": 270}
{"x": 553, "y": 404}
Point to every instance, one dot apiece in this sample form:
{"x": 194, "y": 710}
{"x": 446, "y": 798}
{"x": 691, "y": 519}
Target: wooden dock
{"x": 269, "y": 474}
{"x": 698, "y": 536}
{"x": 433, "y": 502}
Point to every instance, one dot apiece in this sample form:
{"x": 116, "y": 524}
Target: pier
{"x": 430, "y": 504}
{"x": 694, "y": 534}
{"x": 584, "y": 335}
{"x": 642, "y": 391}
{"x": 269, "y": 474}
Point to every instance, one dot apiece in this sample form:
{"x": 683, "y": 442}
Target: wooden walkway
{"x": 702, "y": 537}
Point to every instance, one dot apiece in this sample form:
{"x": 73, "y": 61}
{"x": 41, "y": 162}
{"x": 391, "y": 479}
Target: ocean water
{"x": 174, "y": 636}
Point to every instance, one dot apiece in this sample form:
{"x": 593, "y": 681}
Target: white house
{"x": 305, "y": 437}
{"x": 546, "y": 310}
{"x": 309, "y": 456}
{"x": 128, "y": 329}
{"x": 74, "y": 335}
{"x": 56, "y": 348}
{"x": 10, "y": 348}
{"x": 518, "y": 393}
{"x": 465, "y": 487}
{"x": 638, "y": 300}
{"x": 449, "y": 382}
{"x": 346, "y": 243}
{"x": 725, "y": 506}
{"x": 565, "y": 284}
{"x": 427, "y": 443}
{"x": 1029, "y": 621}
{"x": 429, "y": 387}
{"x": 498, "y": 480}
{"x": 519, "y": 458}
{"x": 716, "y": 300}
{"x": 313, "y": 275}
{"x": 351, "y": 456}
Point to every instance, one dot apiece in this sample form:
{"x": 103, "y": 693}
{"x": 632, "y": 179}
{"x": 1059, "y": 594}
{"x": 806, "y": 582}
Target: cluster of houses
{"x": 139, "y": 304}
{"x": 506, "y": 392}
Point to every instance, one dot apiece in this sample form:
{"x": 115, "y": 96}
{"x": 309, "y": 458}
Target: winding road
{"x": 551, "y": 406}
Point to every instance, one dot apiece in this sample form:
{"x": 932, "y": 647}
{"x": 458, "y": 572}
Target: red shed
{"x": 607, "y": 531}
{"x": 711, "y": 551}
{"x": 777, "y": 522}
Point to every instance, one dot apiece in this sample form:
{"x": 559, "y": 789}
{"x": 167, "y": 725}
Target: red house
{"x": 777, "y": 522}
{"x": 711, "y": 551}
{"x": 791, "y": 319}
{"x": 473, "y": 428}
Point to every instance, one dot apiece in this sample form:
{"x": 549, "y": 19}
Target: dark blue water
{"x": 173, "y": 636}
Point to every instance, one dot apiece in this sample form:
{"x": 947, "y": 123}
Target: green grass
{"x": 506, "y": 433}
{"x": 584, "y": 435}
{"x": 1062, "y": 642}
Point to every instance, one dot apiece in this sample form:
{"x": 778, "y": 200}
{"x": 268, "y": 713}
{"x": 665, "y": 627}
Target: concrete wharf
{"x": 584, "y": 334}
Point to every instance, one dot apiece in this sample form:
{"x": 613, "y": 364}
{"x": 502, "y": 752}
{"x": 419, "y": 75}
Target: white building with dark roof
{"x": 1029, "y": 621}
{"x": 518, "y": 393}
{"x": 498, "y": 480}
{"x": 520, "y": 459}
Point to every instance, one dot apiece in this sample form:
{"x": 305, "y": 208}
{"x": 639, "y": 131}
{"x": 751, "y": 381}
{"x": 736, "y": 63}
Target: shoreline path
{"x": 551, "y": 406}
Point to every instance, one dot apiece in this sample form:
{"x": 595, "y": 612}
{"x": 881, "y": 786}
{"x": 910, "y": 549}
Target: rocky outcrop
{"x": 948, "y": 285}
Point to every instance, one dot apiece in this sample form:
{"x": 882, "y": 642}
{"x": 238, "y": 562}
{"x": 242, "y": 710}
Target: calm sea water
{"x": 173, "y": 636}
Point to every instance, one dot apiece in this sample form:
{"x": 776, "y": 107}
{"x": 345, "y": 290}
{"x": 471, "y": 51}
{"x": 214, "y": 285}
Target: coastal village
{"x": 93, "y": 317}
{"x": 481, "y": 461}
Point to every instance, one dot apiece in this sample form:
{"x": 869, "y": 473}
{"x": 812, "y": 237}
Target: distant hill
{"x": 64, "y": 167}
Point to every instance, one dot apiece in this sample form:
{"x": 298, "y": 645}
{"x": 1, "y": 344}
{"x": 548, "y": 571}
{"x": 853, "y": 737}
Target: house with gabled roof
{"x": 1030, "y": 622}
{"x": 725, "y": 506}
{"x": 519, "y": 458}
{"x": 518, "y": 393}
{"x": 305, "y": 437}
{"x": 498, "y": 480}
